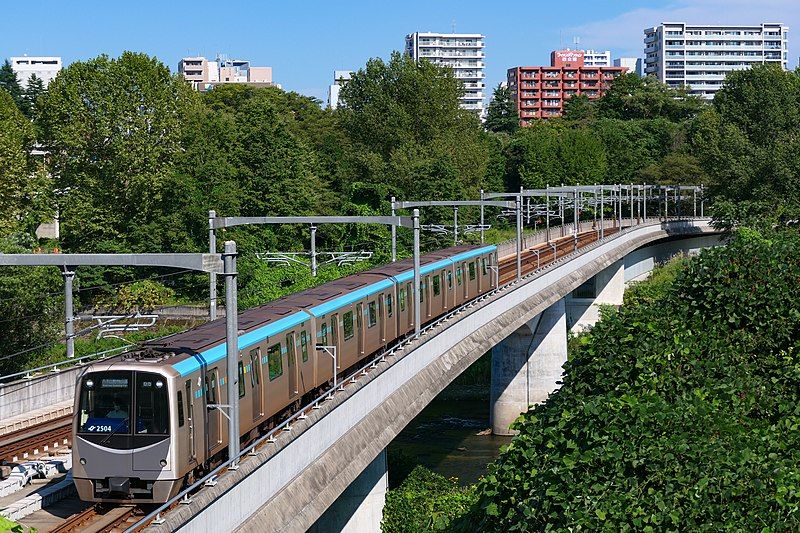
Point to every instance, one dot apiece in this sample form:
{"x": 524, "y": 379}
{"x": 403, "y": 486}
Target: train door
{"x": 409, "y": 300}
{"x": 424, "y": 296}
{"x": 443, "y": 288}
{"x": 465, "y": 285}
{"x": 213, "y": 414}
{"x": 360, "y": 327}
{"x": 381, "y": 318}
{"x": 451, "y": 293}
{"x": 190, "y": 418}
{"x": 291, "y": 360}
{"x": 255, "y": 382}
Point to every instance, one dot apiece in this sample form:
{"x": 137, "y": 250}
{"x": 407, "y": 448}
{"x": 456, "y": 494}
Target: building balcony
{"x": 529, "y": 86}
{"x": 551, "y": 104}
{"x": 529, "y": 104}
{"x": 590, "y": 86}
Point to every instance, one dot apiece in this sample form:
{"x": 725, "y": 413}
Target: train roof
{"x": 203, "y": 344}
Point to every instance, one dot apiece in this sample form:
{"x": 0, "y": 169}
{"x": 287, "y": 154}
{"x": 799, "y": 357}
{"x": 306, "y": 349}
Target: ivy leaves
{"x": 679, "y": 412}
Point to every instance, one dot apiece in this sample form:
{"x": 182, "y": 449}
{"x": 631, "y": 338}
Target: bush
{"x": 144, "y": 295}
{"x": 679, "y": 413}
{"x": 425, "y": 501}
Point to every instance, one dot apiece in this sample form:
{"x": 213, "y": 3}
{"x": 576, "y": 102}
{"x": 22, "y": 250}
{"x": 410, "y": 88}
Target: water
{"x": 445, "y": 437}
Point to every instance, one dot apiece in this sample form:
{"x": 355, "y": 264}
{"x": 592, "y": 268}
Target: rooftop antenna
{"x": 454, "y": 25}
{"x": 576, "y": 41}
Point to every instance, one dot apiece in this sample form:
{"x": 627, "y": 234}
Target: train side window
{"x": 483, "y": 266}
{"x": 274, "y": 362}
{"x": 402, "y": 300}
{"x": 472, "y": 270}
{"x": 211, "y": 387}
{"x": 323, "y": 333}
{"x": 241, "y": 379}
{"x": 304, "y": 345}
{"x": 180, "y": 409}
{"x": 389, "y": 307}
{"x": 373, "y": 314}
{"x": 347, "y": 324}
{"x": 437, "y": 285}
{"x": 459, "y": 275}
{"x": 449, "y": 279}
{"x": 255, "y": 362}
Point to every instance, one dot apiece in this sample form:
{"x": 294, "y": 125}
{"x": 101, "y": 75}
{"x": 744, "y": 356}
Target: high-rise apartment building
{"x": 45, "y": 67}
{"x": 700, "y": 56}
{"x": 593, "y": 58}
{"x": 540, "y": 92}
{"x": 633, "y": 64}
{"x": 340, "y": 79}
{"x": 204, "y": 75}
{"x": 462, "y": 52}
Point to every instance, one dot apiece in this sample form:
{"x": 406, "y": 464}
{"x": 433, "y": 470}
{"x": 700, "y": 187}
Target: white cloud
{"x": 623, "y": 34}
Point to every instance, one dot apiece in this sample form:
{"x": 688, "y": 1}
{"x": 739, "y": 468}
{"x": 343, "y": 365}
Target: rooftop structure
{"x": 44, "y": 67}
{"x": 340, "y": 79}
{"x": 204, "y": 75}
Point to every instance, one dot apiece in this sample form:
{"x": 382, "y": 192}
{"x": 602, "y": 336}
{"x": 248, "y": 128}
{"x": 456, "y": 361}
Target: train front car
{"x": 123, "y": 435}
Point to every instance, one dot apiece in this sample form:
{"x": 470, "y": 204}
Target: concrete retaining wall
{"x": 24, "y": 396}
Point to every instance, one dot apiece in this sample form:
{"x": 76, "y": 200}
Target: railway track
{"x": 35, "y": 440}
{"x": 96, "y": 519}
{"x": 544, "y": 253}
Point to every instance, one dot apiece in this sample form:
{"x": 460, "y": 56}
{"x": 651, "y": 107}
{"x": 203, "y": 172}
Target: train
{"x": 147, "y": 422}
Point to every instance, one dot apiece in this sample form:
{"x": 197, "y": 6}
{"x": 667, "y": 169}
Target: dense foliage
{"x": 425, "y": 501}
{"x": 677, "y": 413}
{"x": 134, "y": 158}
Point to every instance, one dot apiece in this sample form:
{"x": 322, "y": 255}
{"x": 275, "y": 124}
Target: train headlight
{"x": 163, "y": 462}
{"x": 159, "y": 384}
{"x": 89, "y": 383}
{"x": 83, "y": 461}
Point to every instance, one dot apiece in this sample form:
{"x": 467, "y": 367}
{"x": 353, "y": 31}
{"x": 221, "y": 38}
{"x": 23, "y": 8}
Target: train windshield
{"x": 124, "y": 402}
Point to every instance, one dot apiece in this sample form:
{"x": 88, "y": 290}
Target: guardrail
{"x": 209, "y": 480}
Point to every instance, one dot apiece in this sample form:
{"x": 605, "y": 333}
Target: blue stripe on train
{"x": 212, "y": 355}
{"x": 350, "y": 297}
{"x": 408, "y": 275}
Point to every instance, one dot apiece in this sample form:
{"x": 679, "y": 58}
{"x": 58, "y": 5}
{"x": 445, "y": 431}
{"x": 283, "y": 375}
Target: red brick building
{"x": 540, "y": 92}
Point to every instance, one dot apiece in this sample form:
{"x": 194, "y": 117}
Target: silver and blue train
{"x": 145, "y": 425}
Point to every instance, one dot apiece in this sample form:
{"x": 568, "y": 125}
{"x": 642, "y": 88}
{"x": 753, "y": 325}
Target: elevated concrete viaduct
{"x": 305, "y": 474}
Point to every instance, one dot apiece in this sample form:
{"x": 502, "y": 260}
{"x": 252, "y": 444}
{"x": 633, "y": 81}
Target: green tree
{"x": 16, "y": 139}
{"x": 579, "y": 108}
{"x": 31, "y": 94}
{"x": 502, "y": 116}
{"x": 409, "y": 136}
{"x": 10, "y": 83}
{"x": 748, "y": 144}
{"x": 552, "y": 153}
{"x": 633, "y": 97}
{"x": 114, "y": 129}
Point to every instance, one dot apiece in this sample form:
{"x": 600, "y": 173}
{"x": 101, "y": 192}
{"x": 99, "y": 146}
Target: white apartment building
{"x": 633, "y": 64}
{"x": 45, "y": 67}
{"x": 462, "y": 52}
{"x": 340, "y": 79}
{"x": 594, "y": 58}
{"x": 700, "y": 56}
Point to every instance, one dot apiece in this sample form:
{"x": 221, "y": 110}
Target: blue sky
{"x": 305, "y": 41}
